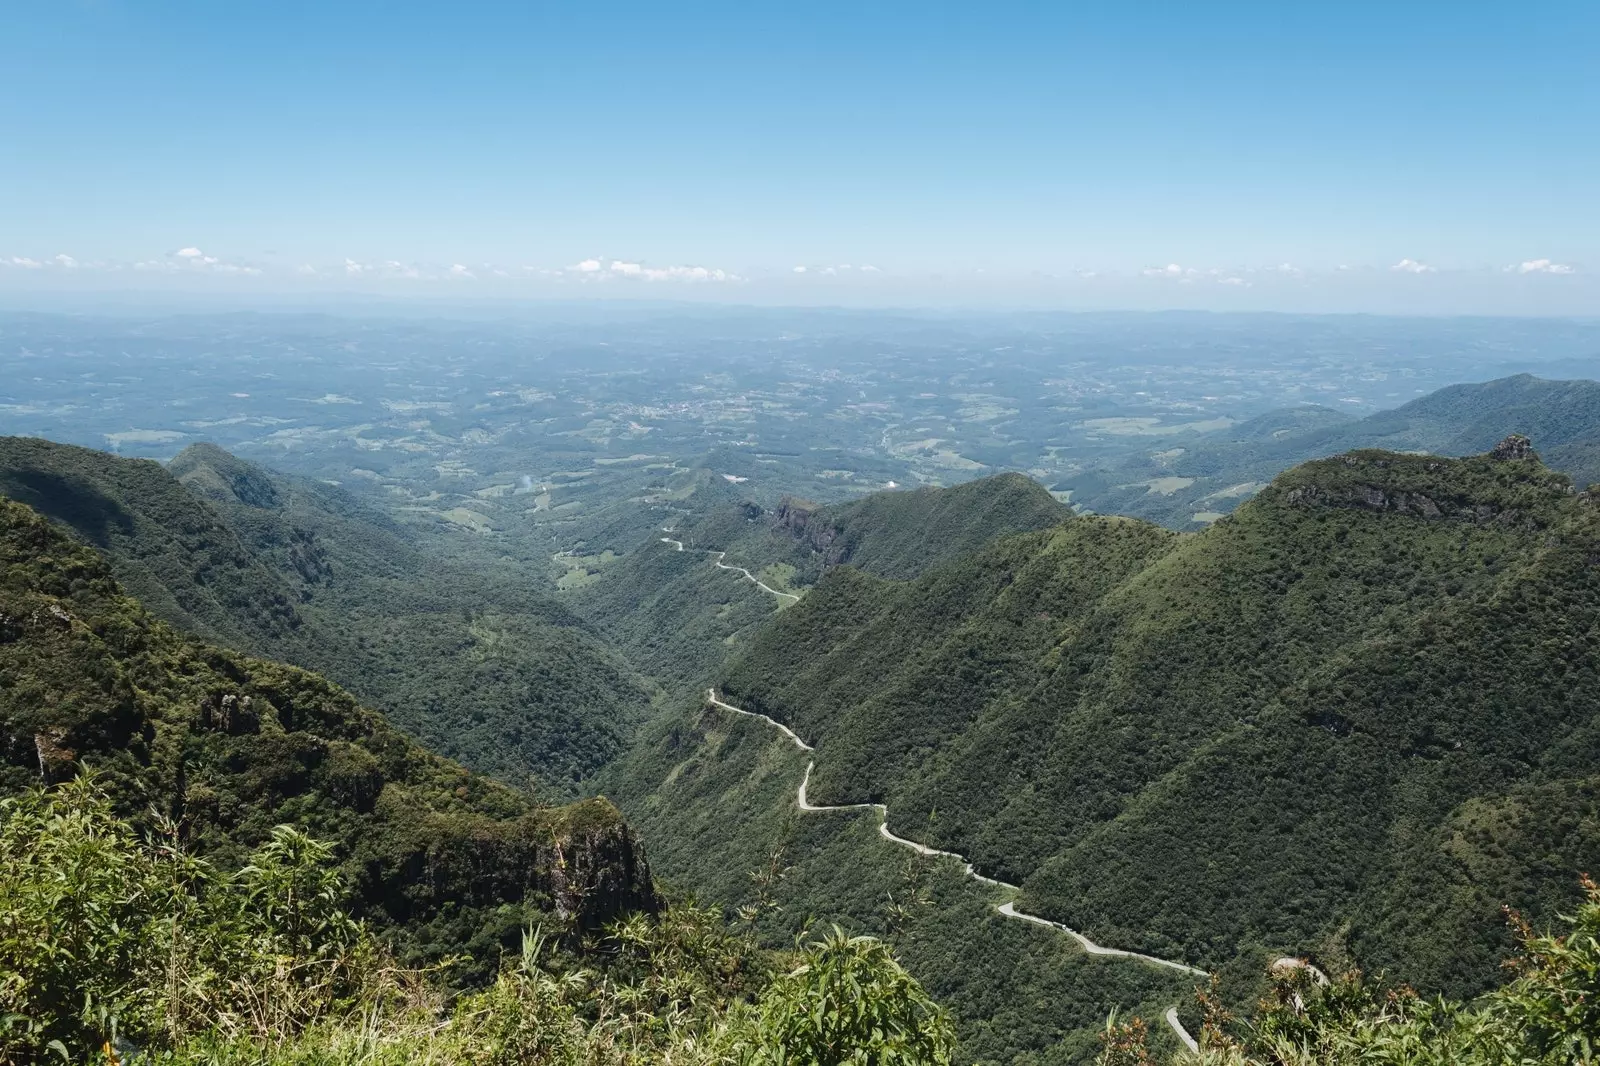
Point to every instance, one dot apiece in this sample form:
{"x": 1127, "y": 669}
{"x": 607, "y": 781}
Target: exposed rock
{"x": 599, "y": 872}
{"x": 1377, "y": 498}
{"x": 1514, "y": 447}
{"x": 583, "y": 862}
{"x": 800, "y": 518}
{"x": 56, "y": 760}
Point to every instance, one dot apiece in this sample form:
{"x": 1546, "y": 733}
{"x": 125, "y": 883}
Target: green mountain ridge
{"x": 229, "y": 746}
{"x": 901, "y": 534}
{"x": 679, "y": 623}
{"x": 473, "y": 656}
{"x": 1273, "y": 733}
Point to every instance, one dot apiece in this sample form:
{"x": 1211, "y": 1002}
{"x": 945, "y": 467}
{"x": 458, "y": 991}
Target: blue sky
{"x": 1446, "y": 156}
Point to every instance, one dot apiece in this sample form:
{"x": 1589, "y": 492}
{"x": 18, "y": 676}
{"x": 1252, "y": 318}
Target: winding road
{"x": 1008, "y": 908}
{"x": 717, "y": 558}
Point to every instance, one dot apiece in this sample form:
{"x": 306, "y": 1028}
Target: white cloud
{"x": 1233, "y": 281}
{"x": 459, "y": 270}
{"x": 1171, "y": 270}
{"x": 1289, "y": 269}
{"x": 1542, "y": 266}
{"x": 868, "y": 268}
{"x": 305, "y": 268}
{"x": 352, "y": 267}
{"x": 1411, "y": 266}
{"x": 605, "y": 270}
{"x": 65, "y": 260}
{"x": 25, "y": 263}
{"x": 195, "y": 257}
{"x": 799, "y": 270}
{"x": 689, "y": 273}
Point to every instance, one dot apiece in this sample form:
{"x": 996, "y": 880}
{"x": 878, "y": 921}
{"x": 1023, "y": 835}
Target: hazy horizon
{"x": 1358, "y": 159}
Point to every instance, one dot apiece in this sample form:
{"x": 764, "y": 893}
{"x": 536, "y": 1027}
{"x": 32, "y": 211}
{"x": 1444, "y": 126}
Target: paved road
{"x": 1008, "y": 908}
{"x": 677, "y": 545}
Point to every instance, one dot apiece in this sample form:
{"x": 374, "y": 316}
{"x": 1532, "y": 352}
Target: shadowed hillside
{"x": 473, "y": 657}
{"x": 229, "y": 746}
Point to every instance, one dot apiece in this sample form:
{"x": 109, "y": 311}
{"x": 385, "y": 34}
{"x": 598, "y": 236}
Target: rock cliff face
{"x": 807, "y": 523}
{"x": 1506, "y": 486}
{"x": 597, "y": 867}
{"x": 1513, "y": 448}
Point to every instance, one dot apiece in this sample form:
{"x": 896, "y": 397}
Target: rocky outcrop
{"x": 807, "y": 523}
{"x": 1514, "y": 448}
{"x": 598, "y": 869}
{"x": 1506, "y": 486}
{"x": 1371, "y": 497}
{"x": 582, "y": 862}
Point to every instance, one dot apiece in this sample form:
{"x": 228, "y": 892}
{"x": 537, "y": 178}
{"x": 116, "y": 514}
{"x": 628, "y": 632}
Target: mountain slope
{"x": 474, "y": 657}
{"x": 1255, "y": 735}
{"x": 181, "y": 560}
{"x": 229, "y": 746}
{"x": 901, "y": 534}
{"x": 678, "y": 616}
{"x": 1211, "y": 474}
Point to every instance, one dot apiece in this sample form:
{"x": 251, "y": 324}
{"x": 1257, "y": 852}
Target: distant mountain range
{"x": 1193, "y": 481}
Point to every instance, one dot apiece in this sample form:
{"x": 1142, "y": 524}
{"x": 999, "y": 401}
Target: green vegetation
{"x": 679, "y": 624}
{"x": 125, "y": 949}
{"x": 901, "y": 534}
{"x": 224, "y": 747}
{"x": 1229, "y": 465}
{"x": 715, "y": 795}
{"x": 1548, "y": 1014}
{"x": 1349, "y": 719}
{"x": 472, "y": 655}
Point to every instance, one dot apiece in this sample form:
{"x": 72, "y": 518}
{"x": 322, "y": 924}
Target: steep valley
{"x": 1347, "y": 722}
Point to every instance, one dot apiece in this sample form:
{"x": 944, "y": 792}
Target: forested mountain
{"x": 901, "y": 534}
{"x": 472, "y": 655}
{"x": 679, "y": 615}
{"x": 207, "y": 857}
{"x": 1352, "y": 719}
{"x": 223, "y": 747}
{"x": 1210, "y": 473}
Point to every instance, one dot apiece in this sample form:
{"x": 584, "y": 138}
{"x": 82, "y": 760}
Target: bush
{"x": 119, "y": 947}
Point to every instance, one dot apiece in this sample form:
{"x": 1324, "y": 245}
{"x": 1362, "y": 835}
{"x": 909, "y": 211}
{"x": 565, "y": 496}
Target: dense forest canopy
{"x": 1365, "y": 689}
{"x": 222, "y": 747}
{"x": 471, "y": 655}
